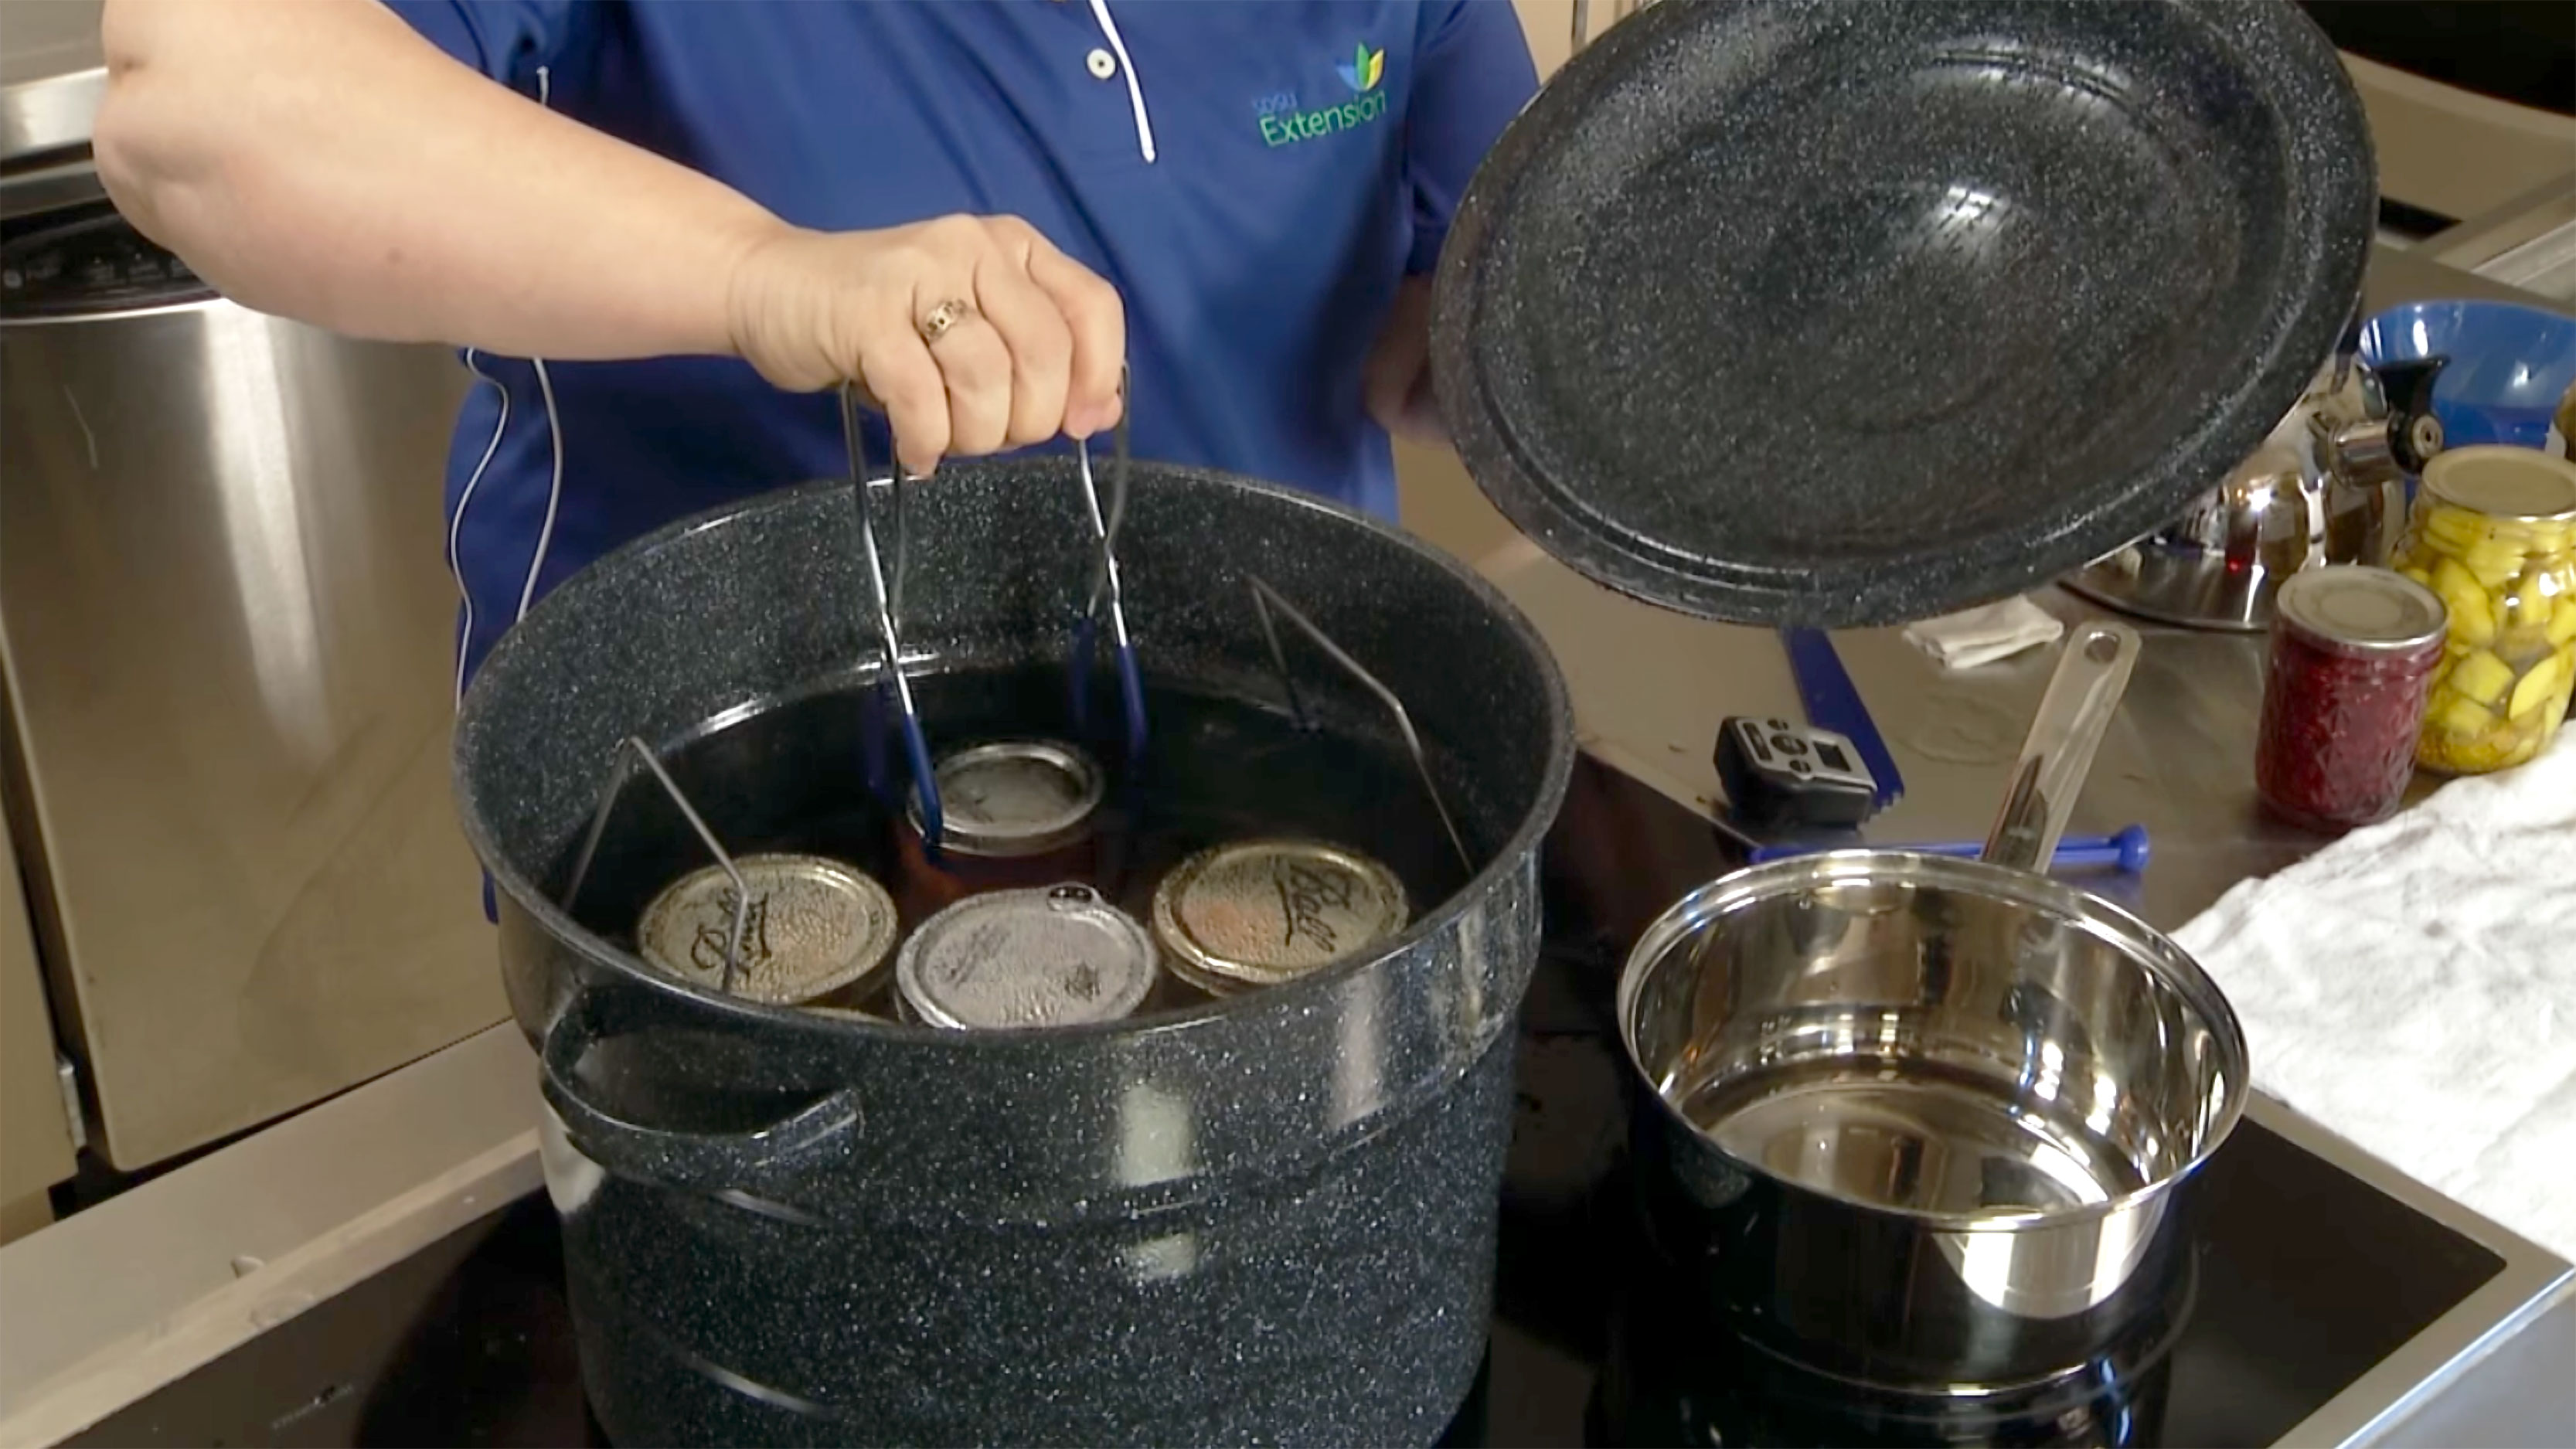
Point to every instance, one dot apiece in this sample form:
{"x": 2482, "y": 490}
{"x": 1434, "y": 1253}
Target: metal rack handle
{"x": 1107, "y": 588}
{"x": 621, "y": 769}
{"x": 916, "y": 745}
{"x": 1264, "y": 600}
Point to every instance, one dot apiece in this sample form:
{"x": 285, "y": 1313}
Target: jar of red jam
{"x": 1017, "y": 815}
{"x": 2354, "y": 651}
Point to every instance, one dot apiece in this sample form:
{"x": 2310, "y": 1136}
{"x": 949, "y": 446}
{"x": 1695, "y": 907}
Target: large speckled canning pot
{"x": 1271, "y": 1218}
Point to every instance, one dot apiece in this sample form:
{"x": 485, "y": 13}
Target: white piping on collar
{"x": 1127, "y": 68}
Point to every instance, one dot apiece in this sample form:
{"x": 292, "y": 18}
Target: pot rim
{"x": 2145, "y": 946}
{"x": 1283, "y": 999}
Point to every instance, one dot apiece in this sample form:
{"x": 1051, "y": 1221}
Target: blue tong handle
{"x": 1086, "y": 639}
{"x": 1832, "y": 703}
{"x": 872, "y": 742}
{"x": 1131, "y": 693}
{"x": 1131, "y": 683}
{"x": 2125, "y": 852}
{"x": 934, "y": 824}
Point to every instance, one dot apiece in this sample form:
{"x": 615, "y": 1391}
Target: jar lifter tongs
{"x": 886, "y": 599}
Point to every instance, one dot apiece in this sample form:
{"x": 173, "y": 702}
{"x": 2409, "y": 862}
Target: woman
{"x": 663, "y": 229}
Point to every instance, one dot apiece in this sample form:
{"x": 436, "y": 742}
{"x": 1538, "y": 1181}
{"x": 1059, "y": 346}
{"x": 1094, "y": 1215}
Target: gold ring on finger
{"x": 936, "y": 322}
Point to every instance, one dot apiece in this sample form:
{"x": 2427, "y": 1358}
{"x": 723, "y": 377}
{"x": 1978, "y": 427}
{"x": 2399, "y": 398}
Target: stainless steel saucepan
{"x": 1924, "y": 1119}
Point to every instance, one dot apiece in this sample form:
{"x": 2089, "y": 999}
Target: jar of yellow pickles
{"x": 2494, "y": 533}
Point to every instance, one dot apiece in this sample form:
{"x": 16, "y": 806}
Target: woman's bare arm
{"x": 320, "y": 160}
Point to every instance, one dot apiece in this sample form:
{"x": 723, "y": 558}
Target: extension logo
{"x": 1285, "y": 121}
{"x": 1366, "y": 69}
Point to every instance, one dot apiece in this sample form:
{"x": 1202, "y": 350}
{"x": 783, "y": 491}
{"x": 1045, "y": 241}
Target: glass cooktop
{"x": 2315, "y": 1302}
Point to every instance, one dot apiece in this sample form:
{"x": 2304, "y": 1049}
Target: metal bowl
{"x": 1926, "y": 1116}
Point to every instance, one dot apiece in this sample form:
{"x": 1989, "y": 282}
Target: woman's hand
{"x": 973, "y": 333}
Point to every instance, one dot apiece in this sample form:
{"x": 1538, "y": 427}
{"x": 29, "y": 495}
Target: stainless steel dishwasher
{"x": 226, "y": 622}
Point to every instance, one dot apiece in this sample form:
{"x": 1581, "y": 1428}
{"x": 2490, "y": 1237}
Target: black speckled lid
{"x": 1841, "y": 312}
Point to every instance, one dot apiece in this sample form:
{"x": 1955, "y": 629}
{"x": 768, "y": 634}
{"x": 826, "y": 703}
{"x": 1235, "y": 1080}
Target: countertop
{"x": 2178, "y": 757}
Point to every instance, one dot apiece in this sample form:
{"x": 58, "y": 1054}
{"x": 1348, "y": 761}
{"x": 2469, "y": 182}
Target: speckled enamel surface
{"x": 1268, "y": 1220}
{"x": 1841, "y": 312}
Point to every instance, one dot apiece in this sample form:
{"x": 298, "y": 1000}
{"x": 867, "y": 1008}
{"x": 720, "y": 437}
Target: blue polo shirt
{"x": 1254, "y": 176}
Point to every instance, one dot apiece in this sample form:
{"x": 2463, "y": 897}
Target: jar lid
{"x": 2523, "y": 484}
{"x": 2365, "y": 609}
{"x": 1010, "y": 798}
{"x": 1259, "y": 912}
{"x": 1055, "y": 956}
{"x": 813, "y": 927}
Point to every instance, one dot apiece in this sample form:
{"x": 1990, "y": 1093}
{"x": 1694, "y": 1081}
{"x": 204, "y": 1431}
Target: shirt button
{"x": 1102, "y": 63}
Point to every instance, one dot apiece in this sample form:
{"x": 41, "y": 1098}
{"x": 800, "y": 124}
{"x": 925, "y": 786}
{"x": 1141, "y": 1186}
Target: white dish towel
{"x": 1984, "y": 634}
{"x": 2413, "y": 987}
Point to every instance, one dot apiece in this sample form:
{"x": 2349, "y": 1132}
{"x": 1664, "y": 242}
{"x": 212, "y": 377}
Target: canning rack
{"x": 1103, "y": 599}
{"x": 885, "y": 606}
{"x": 1267, "y": 602}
